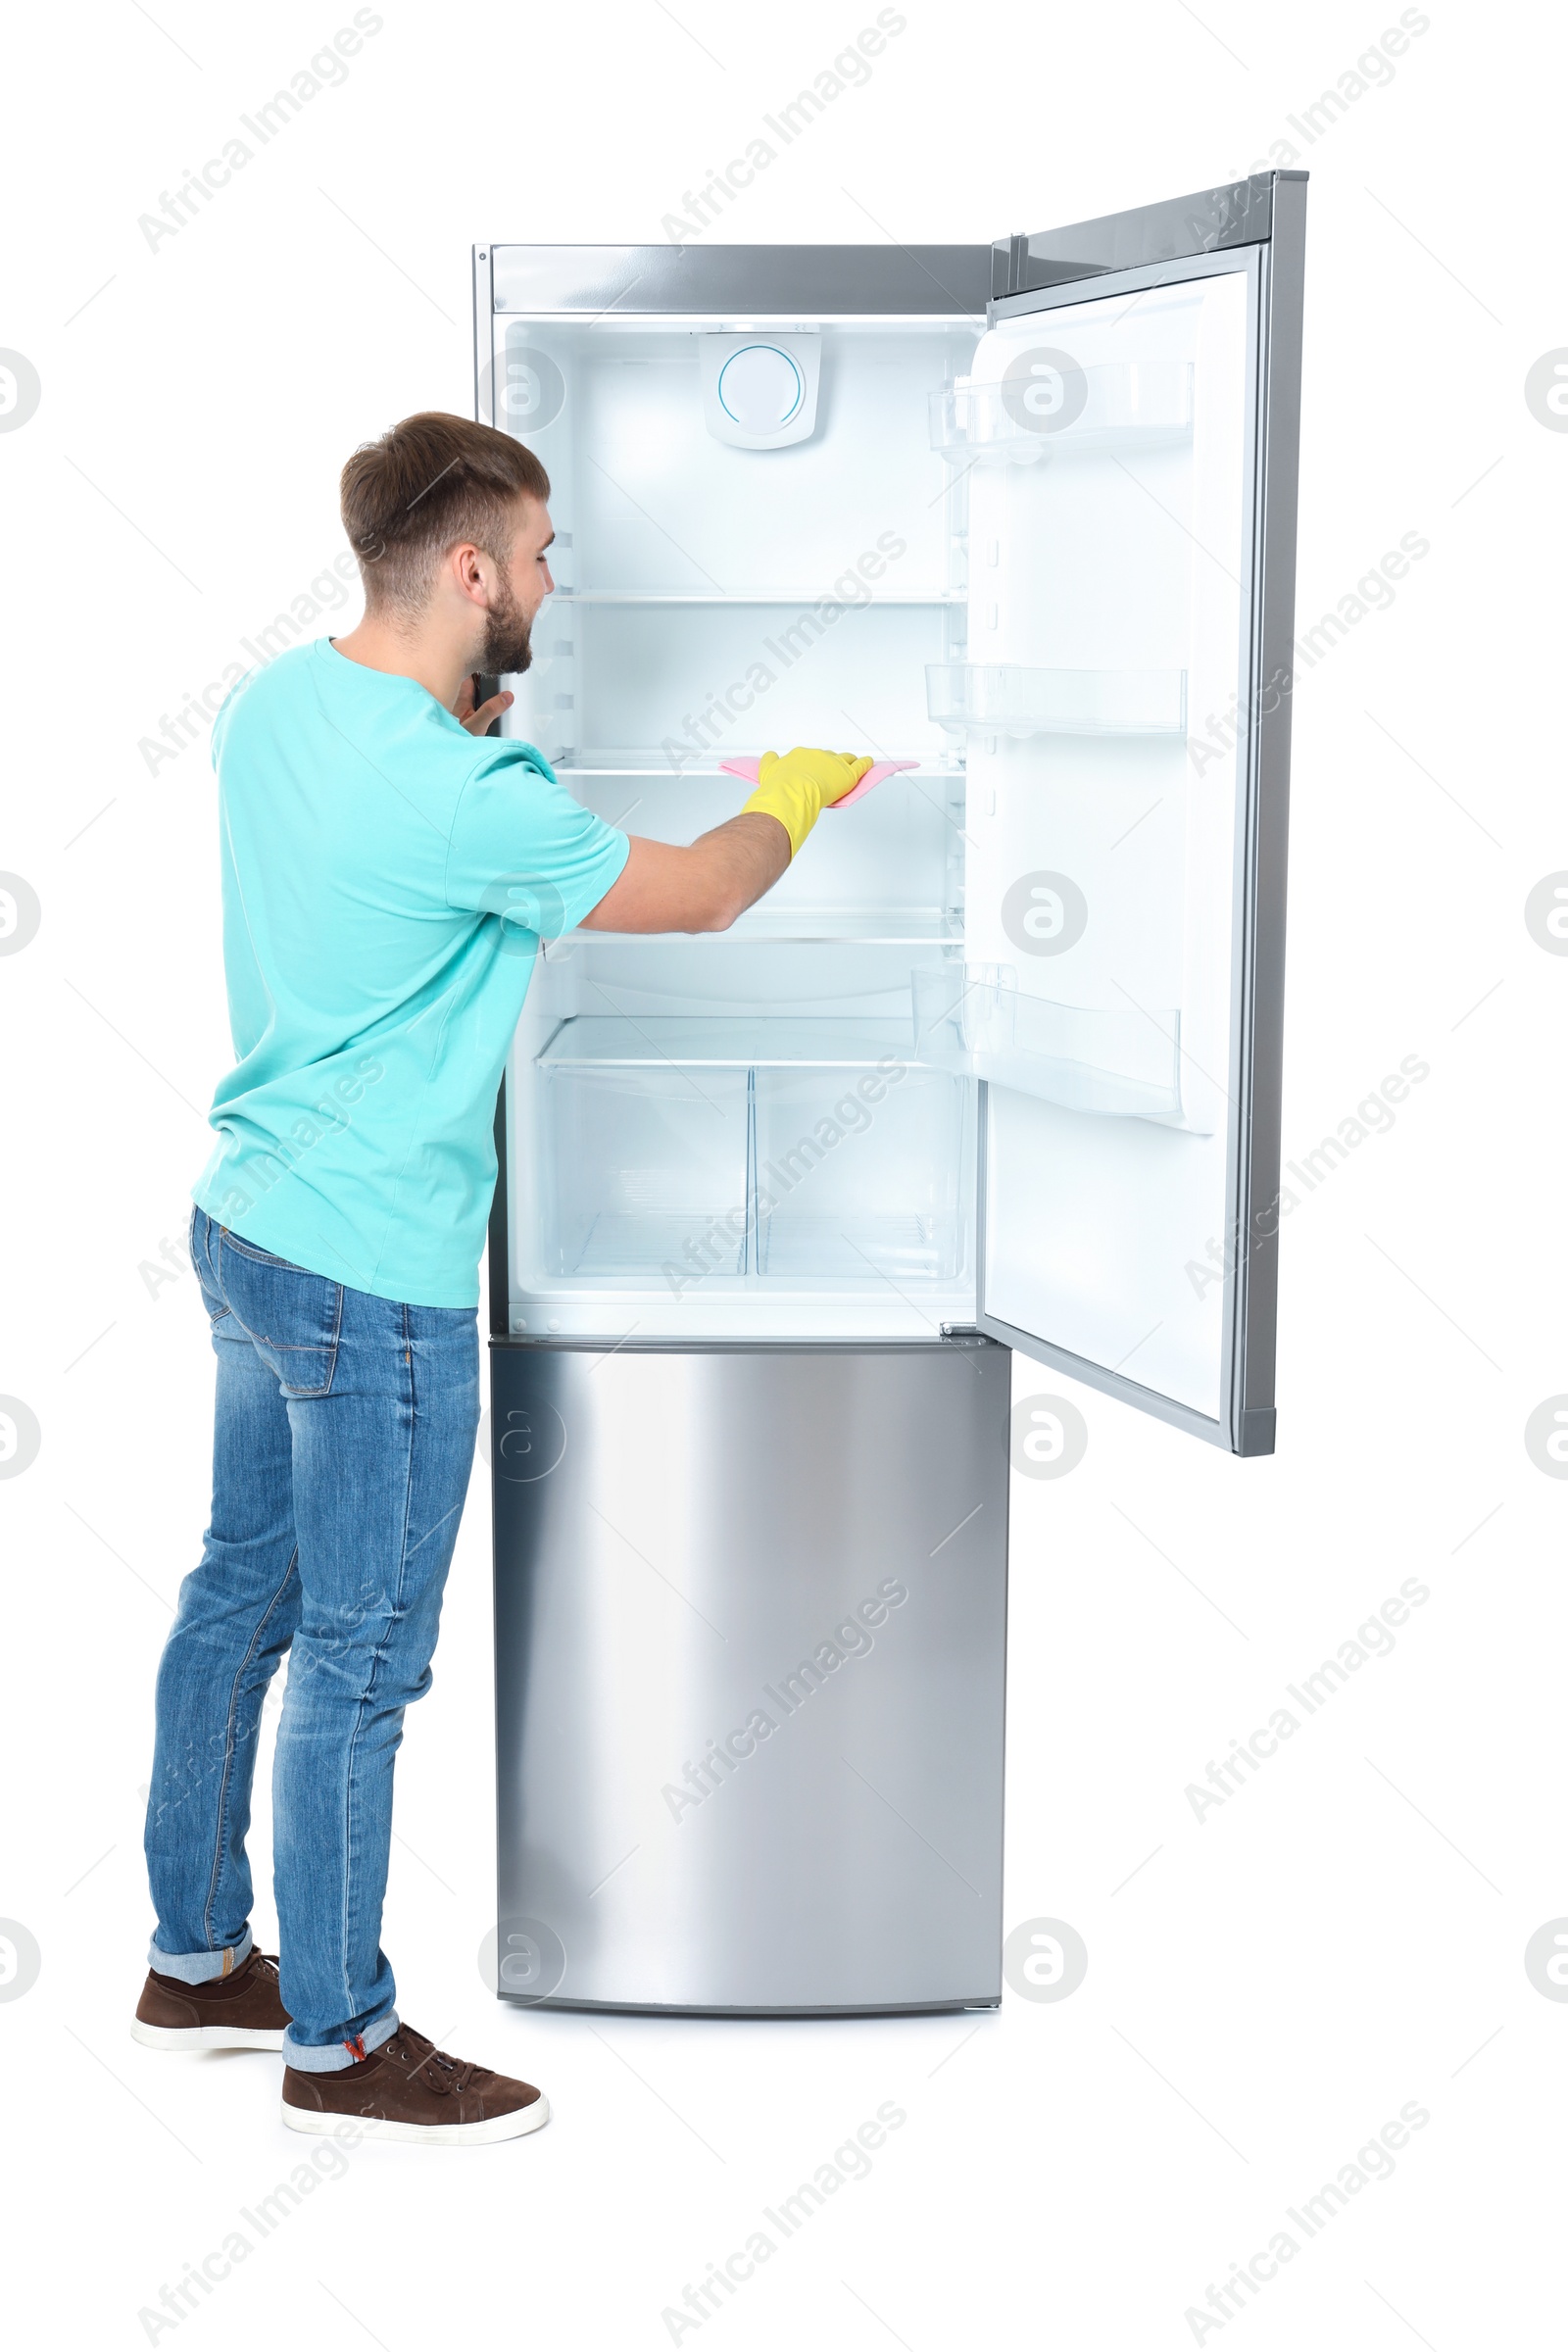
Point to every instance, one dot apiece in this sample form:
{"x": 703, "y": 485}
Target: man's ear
{"x": 466, "y": 565}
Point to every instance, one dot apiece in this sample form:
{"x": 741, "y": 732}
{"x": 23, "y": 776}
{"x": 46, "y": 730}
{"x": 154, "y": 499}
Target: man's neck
{"x": 427, "y": 656}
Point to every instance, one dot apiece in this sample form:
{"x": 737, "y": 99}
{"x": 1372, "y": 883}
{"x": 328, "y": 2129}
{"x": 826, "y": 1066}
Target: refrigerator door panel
{"x": 1129, "y": 432}
{"x": 749, "y": 1650}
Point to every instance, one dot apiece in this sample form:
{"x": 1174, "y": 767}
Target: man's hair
{"x": 424, "y": 487}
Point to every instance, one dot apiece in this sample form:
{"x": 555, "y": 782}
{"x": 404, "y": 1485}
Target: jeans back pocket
{"x": 291, "y": 1316}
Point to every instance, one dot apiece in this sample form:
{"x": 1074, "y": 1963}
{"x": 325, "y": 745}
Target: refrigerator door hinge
{"x": 965, "y": 1335}
{"x": 1008, "y": 258}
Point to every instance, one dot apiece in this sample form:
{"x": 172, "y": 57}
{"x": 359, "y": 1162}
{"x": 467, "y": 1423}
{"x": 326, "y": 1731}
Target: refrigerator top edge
{"x": 642, "y": 281}
{"x": 1240, "y": 211}
{"x": 867, "y": 282}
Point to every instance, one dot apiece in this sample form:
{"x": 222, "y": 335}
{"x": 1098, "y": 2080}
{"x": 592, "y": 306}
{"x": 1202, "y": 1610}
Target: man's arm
{"x": 704, "y": 888}
{"x": 700, "y": 888}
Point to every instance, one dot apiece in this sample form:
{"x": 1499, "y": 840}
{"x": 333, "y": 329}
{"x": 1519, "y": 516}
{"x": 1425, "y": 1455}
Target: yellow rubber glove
{"x": 799, "y": 787}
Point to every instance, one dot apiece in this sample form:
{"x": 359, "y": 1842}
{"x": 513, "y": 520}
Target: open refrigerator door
{"x": 1129, "y": 458}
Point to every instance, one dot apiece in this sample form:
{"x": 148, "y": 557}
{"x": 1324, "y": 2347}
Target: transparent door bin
{"x": 858, "y": 1175}
{"x": 1116, "y": 1062}
{"x": 638, "y": 1164}
{"x": 1007, "y": 699}
{"x": 1045, "y": 412}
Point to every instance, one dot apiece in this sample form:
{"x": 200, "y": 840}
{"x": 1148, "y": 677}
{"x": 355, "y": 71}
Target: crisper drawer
{"x": 642, "y": 1164}
{"x": 804, "y": 1153}
{"x": 858, "y": 1173}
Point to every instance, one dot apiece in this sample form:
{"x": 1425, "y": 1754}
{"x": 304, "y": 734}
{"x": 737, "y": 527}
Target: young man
{"x": 372, "y": 839}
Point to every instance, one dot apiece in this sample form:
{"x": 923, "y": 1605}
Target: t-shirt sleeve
{"x": 224, "y": 711}
{"x": 523, "y": 848}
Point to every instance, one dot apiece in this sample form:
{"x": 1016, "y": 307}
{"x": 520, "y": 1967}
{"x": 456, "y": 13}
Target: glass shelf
{"x": 756, "y": 596}
{"x": 1138, "y": 405}
{"x": 639, "y": 764}
{"x": 725, "y": 1042}
{"x": 774, "y": 926}
{"x": 1007, "y": 699}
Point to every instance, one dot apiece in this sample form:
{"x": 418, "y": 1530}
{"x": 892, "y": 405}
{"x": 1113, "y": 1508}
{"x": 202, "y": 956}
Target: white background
{"x": 1347, "y": 1933}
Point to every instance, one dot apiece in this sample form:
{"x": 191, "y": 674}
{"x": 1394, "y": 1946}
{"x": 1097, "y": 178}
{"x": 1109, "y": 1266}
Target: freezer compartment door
{"x": 749, "y": 1650}
{"x": 1128, "y": 430}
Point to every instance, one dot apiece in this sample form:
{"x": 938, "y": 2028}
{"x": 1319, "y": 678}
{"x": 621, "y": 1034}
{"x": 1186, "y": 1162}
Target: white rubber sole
{"x": 441, "y": 2135}
{"x": 207, "y": 2037}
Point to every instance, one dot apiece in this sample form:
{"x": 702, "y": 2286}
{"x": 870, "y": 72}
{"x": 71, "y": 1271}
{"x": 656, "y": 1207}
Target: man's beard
{"x": 506, "y": 651}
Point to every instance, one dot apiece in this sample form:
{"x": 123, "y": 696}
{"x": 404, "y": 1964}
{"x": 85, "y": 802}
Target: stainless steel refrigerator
{"x": 995, "y": 1067}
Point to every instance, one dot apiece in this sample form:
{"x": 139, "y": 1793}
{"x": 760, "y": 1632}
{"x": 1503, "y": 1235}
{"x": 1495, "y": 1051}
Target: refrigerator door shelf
{"x": 1111, "y": 1062}
{"x": 1046, "y": 406}
{"x": 1007, "y": 699}
{"x": 723, "y": 1041}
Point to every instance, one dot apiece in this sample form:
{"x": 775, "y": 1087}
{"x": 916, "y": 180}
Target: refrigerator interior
{"x": 997, "y": 566}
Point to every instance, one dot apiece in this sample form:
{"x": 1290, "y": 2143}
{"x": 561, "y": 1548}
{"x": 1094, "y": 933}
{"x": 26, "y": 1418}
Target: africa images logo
{"x": 1044, "y": 391}
{"x": 20, "y": 390}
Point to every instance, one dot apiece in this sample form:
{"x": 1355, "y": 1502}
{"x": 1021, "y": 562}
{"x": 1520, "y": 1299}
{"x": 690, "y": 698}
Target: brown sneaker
{"x": 242, "y": 2010}
{"x": 409, "y": 2090}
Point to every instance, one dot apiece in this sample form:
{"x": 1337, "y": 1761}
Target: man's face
{"x": 521, "y": 591}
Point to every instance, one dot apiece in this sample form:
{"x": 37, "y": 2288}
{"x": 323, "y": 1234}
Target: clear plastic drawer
{"x": 859, "y": 1173}
{"x": 642, "y": 1169}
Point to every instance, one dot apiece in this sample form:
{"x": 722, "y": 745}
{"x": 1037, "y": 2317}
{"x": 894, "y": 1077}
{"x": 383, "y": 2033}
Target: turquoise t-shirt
{"x": 386, "y": 880}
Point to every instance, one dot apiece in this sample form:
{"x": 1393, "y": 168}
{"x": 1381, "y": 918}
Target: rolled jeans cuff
{"x": 199, "y": 1968}
{"x": 330, "y": 2058}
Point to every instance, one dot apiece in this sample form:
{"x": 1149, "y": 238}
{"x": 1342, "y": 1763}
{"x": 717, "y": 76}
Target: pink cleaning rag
{"x": 747, "y": 769}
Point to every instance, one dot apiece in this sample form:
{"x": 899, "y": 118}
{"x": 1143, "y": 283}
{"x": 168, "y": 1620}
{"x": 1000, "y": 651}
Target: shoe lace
{"x": 443, "y": 2074}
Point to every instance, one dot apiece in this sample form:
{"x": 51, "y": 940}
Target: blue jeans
{"x": 342, "y": 1445}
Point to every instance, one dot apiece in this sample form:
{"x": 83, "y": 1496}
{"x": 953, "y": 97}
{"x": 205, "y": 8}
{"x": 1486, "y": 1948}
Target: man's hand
{"x": 704, "y": 888}
{"x": 799, "y": 787}
{"x": 478, "y": 720}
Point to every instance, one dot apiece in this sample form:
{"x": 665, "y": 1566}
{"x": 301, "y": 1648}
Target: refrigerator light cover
{"x": 759, "y": 390}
